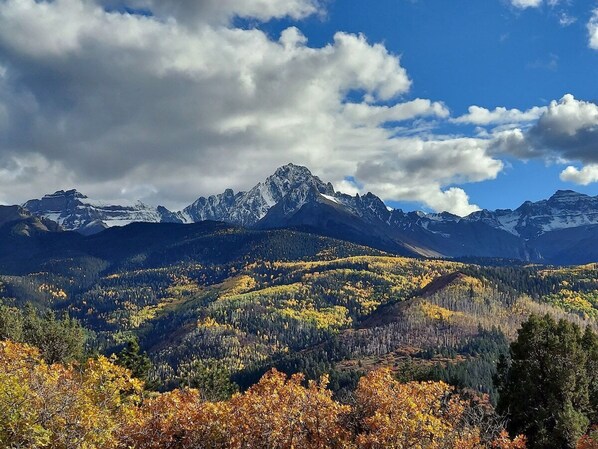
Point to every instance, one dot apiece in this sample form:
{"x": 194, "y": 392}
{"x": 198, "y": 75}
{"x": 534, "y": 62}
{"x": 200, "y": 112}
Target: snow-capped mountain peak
{"x": 293, "y": 197}
{"x": 565, "y": 209}
{"x": 75, "y": 211}
{"x": 247, "y": 208}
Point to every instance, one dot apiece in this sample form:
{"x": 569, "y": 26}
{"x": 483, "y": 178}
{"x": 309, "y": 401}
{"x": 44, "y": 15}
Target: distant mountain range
{"x": 562, "y": 229}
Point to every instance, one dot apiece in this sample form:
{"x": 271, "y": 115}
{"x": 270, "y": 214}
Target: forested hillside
{"x": 214, "y": 307}
{"x": 214, "y": 300}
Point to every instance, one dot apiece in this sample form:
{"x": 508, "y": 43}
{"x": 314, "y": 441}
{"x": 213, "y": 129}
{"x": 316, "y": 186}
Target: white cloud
{"x": 347, "y": 187}
{"x": 457, "y": 201}
{"x": 593, "y": 30}
{"x": 418, "y": 169}
{"x": 183, "y": 104}
{"x": 566, "y": 20}
{"x": 366, "y": 114}
{"x": 523, "y": 4}
{"x": 481, "y": 116}
{"x": 566, "y": 132}
{"x": 585, "y": 176}
{"x": 569, "y": 116}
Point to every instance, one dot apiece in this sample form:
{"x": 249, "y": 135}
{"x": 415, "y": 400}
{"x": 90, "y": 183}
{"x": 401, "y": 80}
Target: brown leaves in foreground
{"x": 589, "y": 441}
{"x": 98, "y": 405}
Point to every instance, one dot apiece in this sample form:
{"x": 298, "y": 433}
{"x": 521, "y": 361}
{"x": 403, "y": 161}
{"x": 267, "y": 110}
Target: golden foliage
{"x": 61, "y": 407}
{"x": 282, "y": 413}
{"x": 177, "y": 420}
{"x": 98, "y": 405}
{"x": 436, "y": 312}
{"x": 415, "y": 415}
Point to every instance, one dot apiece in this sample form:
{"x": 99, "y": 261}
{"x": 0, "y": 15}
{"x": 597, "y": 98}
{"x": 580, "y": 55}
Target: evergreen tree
{"x": 59, "y": 340}
{"x": 212, "y": 381}
{"x": 590, "y": 346}
{"x": 11, "y": 324}
{"x": 132, "y": 358}
{"x": 545, "y": 390}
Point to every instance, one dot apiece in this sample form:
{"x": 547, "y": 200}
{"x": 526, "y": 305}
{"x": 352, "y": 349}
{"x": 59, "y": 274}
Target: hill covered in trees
{"x": 215, "y": 307}
{"x": 213, "y": 301}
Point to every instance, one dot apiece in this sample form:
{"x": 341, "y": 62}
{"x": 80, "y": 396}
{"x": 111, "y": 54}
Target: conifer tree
{"x": 545, "y": 389}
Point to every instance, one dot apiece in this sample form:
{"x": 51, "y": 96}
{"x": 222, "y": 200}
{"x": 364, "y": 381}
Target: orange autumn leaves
{"x": 99, "y": 405}
{"x": 418, "y": 415}
{"x": 589, "y": 441}
{"x": 285, "y": 413}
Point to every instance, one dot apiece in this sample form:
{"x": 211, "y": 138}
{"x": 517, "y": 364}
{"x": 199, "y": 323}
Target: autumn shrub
{"x": 61, "y": 406}
{"x": 99, "y": 405}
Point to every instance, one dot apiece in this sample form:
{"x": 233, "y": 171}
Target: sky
{"x": 438, "y": 105}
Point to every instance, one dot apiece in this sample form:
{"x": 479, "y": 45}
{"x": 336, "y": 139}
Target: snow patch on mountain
{"x": 75, "y": 211}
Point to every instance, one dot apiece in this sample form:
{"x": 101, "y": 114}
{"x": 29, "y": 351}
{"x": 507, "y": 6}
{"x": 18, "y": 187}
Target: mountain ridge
{"x": 292, "y": 197}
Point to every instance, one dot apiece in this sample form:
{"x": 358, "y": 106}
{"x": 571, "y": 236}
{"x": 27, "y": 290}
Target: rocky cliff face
{"x": 292, "y": 182}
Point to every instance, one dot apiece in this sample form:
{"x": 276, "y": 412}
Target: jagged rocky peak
{"x": 292, "y": 182}
{"x": 293, "y": 196}
{"x": 57, "y": 201}
{"x": 288, "y": 177}
{"x": 565, "y": 209}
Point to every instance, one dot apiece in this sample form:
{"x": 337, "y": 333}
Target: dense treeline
{"x": 548, "y": 385}
{"x": 219, "y": 330}
{"x": 59, "y": 339}
{"x": 302, "y": 309}
{"x": 219, "y": 317}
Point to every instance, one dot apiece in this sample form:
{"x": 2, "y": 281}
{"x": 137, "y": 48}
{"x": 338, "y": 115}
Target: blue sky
{"x": 436, "y": 104}
{"x": 486, "y": 53}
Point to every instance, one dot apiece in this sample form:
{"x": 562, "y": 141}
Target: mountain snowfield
{"x": 294, "y": 197}
{"x": 76, "y": 212}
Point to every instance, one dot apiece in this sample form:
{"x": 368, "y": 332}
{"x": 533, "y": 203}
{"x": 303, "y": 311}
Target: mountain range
{"x": 561, "y": 230}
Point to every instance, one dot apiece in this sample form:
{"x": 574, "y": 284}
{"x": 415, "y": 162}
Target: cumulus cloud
{"x": 365, "y": 114}
{"x": 593, "y": 30}
{"x": 481, "y": 116}
{"x": 418, "y": 169}
{"x": 567, "y": 131}
{"x": 568, "y": 117}
{"x": 178, "y": 102}
{"x": 585, "y": 176}
{"x": 193, "y": 12}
